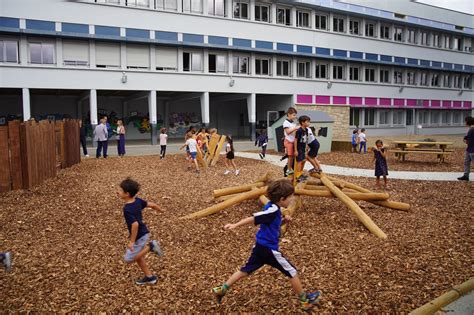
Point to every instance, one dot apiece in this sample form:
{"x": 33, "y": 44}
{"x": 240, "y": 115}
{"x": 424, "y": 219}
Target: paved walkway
{"x": 347, "y": 171}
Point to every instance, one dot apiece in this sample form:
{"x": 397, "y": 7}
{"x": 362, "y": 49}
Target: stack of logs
{"x": 320, "y": 186}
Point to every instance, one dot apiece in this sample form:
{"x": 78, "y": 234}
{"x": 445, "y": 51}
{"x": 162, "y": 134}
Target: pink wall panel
{"x": 304, "y": 99}
{"x": 435, "y": 103}
{"x": 411, "y": 102}
{"x": 457, "y": 104}
{"x": 399, "y": 102}
{"x": 339, "y": 100}
{"x": 385, "y": 101}
{"x": 371, "y": 101}
{"x": 323, "y": 99}
{"x": 426, "y": 103}
{"x": 355, "y": 100}
{"x": 467, "y": 104}
{"x": 446, "y": 104}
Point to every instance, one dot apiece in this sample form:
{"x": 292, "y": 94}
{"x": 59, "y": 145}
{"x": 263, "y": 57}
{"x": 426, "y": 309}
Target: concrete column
{"x": 252, "y": 64}
{"x": 152, "y": 112}
{"x": 273, "y": 13}
{"x": 122, "y": 2}
{"x": 151, "y": 5}
{"x": 205, "y": 116}
{"x": 230, "y": 62}
{"x": 59, "y": 52}
{"x": 252, "y": 10}
{"x": 93, "y": 107}
{"x": 206, "y": 61}
{"x": 179, "y": 6}
{"x": 180, "y": 59}
{"x": 23, "y": 50}
{"x": 26, "y": 104}
{"x": 252, "y": 113}
{"x": 123, "y": 56}
{"x": 273, "y": 66}
{"x": 294, "y": 67}
{"x": 152, "y": 58}
{"x": 293, "y": 16}
{"x": 205, "y": 7}
{"x": 92, "y": 62}
{"x": 229, "y": 9}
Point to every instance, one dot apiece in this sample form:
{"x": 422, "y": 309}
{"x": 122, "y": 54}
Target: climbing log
{"x": 352, "y": 195}
{"x": 236, "y": 189}
{"x": 255, "y": 193}
{"x": 217, "y": 153}
{"x": 364, "y": 218}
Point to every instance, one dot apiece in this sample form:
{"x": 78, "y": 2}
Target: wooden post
{"x": 236, "y": 189}
{"x": 5, "y": 178}
{"x": 354, "y": 196}
{"x": 15, "y": 153}
{"x": 218, "y": 151}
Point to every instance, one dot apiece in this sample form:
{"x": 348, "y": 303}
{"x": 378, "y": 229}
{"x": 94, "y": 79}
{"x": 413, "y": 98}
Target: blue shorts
{"x": 137, "y": 247}
{"x": 193, "y": 155}
{"x": 262, "y": 255}
{"x": 313, "y": 148}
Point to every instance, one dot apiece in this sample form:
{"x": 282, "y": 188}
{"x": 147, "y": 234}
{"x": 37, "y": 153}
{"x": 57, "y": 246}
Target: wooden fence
{"x": 31, "y": 152}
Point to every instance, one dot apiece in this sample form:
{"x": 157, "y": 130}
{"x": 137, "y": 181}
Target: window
{"x": 370, "y": 29}
{"x": 166, "y": 58}
{"x": 41, "y": 53}
{"x": 284, "y": 16}
{"x": 108, "y": 1}
{"x": 384, "y": 32}
{"x": 435, "y": 117}
{"x": 409, "y": 117}
{"x": 397, "y": 117}
{"x": 138, "y": 56}
{"x": 369, "y": 117}
{"x": 436, "y": 41}
{"x": 166, "y": 4}
{"x": 398, "y": 33}
{"x": 423, "y": 117}
{"x": 424, "y": 79}
{"x": 321, "y": 71}
{"x": 354, "y": 27}
{"x": 216, "y": 7}
{"x": 241, "y": 9}
{"x": 321, "y": 21}
{"x": 467, "y": 45}
{"x": 107, "y": 55}
{"x": 445, "y": 117}
{"x": 262, "y": 12}
{"x": 192, "y": 61}
{"x": 338, "y": 72}
{"x": 302, "y": 19}
{"x": 457, "y": 117}
{"x": 263, "y": 66}
{"x": 411, "y": 77}
{"x": 240, "y": 64}
{"x": 192, "y": 6}
{"x": 424, "y": 39}
{"x": 412, "y": 36}
{"x": 338, "y": 24}
{"x": 8, "y": 51}
{"x": 447, "y": 80}
{"x": 457, "y": 81}
{"x": 467, "y": 82}
{"x": 384, "y": 76}
{"x": 384, "y": 117}
{"x": 435, "y": 79}
{"x": 397, "y": 77}
{"x": 447, "y": 42}
{"x": 137, "y": 3}
{"x": 354, "y": 117}
{"x": 457, "y": 44}
{"x": 354, "y": 73}
{"x": 217, "y": 63}
{"x": 75, "y": 53}
{"x": 304, "y": 69}
{"x": 369, "y": 75}
{"x": 283, "y": 68}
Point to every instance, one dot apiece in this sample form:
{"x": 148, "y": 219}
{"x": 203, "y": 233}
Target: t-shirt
{"x": 470, "y": 140}
{"x": 301, "y": 138}
{"x": 133, "y": 213}
{"x": 362, "y": 137}
{"x": 269, "y": 220}
{"x": 289, "y": 124}
{"x": 311, "y": 136}
{"x": 163, "y": 139}
{"x": 192, "y": 145}
{"x": 228, "y": 148}
{"x": 354, "y": 138}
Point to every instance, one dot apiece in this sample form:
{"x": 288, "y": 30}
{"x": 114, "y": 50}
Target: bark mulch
{"x": 68, "y": 237}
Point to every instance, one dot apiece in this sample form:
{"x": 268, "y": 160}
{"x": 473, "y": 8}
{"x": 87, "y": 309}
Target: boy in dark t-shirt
{"x": 469, "y": 156}
{"x": 139, "y": 244}
{"x": 301, "y": 142}
{"x": 265, "y": 251}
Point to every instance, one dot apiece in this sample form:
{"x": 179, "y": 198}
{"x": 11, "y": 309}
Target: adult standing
{"x": 82, "y": 136}
{"x": 101, "y": 136}
{"x": 469, "y": 140}
{"x": 120, "y": 138}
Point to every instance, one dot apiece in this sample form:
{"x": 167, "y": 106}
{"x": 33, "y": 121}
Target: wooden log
{"x": 211, "y": 149}
{"x": 364, "y": 218}
{"x": 445, "y": 299}
{"x": 352, "y": 195}
{"x": 15, "y": 153}
{"x": 5, "y": 175}
{"x": 236, "y": 189}
{"x": 228, "y": 203}
{"x": 314, "y": 182}
{"x": 217, "y": 154}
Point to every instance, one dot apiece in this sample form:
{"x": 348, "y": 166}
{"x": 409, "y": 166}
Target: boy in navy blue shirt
{"x": 139, "y": 244}
{"x": 265, "y": 251}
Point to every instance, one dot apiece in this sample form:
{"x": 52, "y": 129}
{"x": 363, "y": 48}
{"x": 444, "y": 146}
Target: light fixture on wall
{"x": 400, "y": 89}
{"x": 231, "y": 82}
{"x": 329, "y": 84}
{"x": 460, "y": 92}
{"x": 124, "y": 77}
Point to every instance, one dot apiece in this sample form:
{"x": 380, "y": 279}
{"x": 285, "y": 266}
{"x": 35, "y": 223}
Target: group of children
{"x": 359, "y": 138}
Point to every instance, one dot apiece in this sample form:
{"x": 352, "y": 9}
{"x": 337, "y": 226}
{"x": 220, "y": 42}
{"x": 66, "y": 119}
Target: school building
{"x": 392, "y": 67}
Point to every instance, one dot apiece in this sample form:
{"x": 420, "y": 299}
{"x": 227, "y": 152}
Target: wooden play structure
{"x": 321, "y": 185}
{"x": 214, "y": 148}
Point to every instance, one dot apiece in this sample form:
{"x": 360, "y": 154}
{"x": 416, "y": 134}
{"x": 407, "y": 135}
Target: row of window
{"x": 371, "y": 117}
{"x": 108, "y": 55}
{"x": 314, "y": 20}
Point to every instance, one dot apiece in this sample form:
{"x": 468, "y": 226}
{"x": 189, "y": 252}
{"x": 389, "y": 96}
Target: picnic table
{"x": 438, "y": 148}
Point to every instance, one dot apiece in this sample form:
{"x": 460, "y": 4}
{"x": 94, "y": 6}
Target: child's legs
{"x": 377, "y": 181}
{"x": 196, "y": 163}
{"x": 296, "y": 285}
{"x": 163, "y": 148}
{"x": 233, "y": 164}
{"x": 140, "y": 249}
{"x": 143, "y": 266}
{"x": 226, "y": 163}
{"x": 236, "y": 277}
{"x": 290, "y": 151}
{"x": 385, "y": 180}
{"x": 264, "y": 150}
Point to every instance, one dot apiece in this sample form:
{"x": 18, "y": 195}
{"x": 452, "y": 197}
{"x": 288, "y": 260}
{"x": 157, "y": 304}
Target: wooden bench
{"x": 400, "y": 154}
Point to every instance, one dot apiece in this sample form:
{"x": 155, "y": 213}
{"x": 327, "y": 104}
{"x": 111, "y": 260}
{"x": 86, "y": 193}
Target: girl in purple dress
{"x": 380, "y": 158}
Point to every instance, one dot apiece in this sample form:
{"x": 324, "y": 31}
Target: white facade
{"x": 226, "y": 63}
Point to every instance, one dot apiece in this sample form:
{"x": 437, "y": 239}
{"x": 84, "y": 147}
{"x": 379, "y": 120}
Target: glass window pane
{"x": 48, "y": 53}
{"x": 244, "y": 65}
{"x": 244, "y": 11}
{"x": 235, "y": 64}
{"x": 186, "y": 5}
{"x": 10, "y": 51}
{"x": 220, "y": 64}
{"x": 219, "y": 4}
{"x": 265, "y": 14}
{"x": 196, "y": 6}
{"x": 171, "y": 5}
{"x": 35, "y": 53}
{"x": 196, "y": 62}
{"x": 265, "y": 67}
{"x": 1, "y": 51}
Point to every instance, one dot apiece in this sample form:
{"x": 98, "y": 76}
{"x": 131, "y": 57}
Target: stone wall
{"x": 340, "y": 113}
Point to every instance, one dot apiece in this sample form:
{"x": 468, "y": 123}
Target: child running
{"x": 262, "y": 142}
{"x": 229, "y": 158}
{"x": 301, "y": 142}
{"x": 289, "y": 127}
{"x": 193, "y": 147}
{"x": 139, "y": 244}
{"x": 6, "y": 260}
{"x": 265, "y": 251}
{"x": 163, "y": 143}
{"x": 312, "y": 156}
{"x": 380, "y": 158}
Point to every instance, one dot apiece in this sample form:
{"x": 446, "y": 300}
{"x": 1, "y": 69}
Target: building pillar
{"x": 92, "y": 62}
{"x": 23, "y": 50}
{"x": 123, "y": 56}
{"x": 293, "y": 16}
{"x": 273, "y": 13}
{"x": 205, "y": 7}
{"x": 93, "y": 112}
{"x": 230, "y": 62}
{"x": 229, "y": 8}
{"x": 180, "y": 59}
{"x": 206, "y": 61}
{"x": 26, "y": 104}
{"x": 152, "y": 113}
{"x": 252, "y": 113}
{"x": 59, "y": 52}
{"x": 273, "y": 66}
{"x": 294, "y": 67}
{"x": 205, "y": 116}
{"x": 252, "y": 10}
{"x": 252, "y": 64}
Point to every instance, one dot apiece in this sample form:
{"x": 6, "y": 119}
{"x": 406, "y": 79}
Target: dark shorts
{"x": 313, "y": 148}
{"x": 262, "y": 255}
{"x": 230, "y": 155}
{"x": 301, "y": 154}
{"x": 193, "y": 155}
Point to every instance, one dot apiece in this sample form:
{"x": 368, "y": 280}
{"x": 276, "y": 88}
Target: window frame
{"x": 336, "y": 21}
{"x": 318, "y": 16}
{"x": 280, "y": 67}
{"x": 261, "y": 5}
{"x": 286, "y": 16}
{"x": 239, "y": 4}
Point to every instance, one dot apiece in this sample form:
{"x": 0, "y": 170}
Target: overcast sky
{"x": 466, "y": 6}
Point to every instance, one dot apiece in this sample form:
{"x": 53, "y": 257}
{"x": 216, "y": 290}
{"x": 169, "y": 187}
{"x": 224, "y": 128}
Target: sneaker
{"x": 87, "y": 155}
{"x": 314, "y": 297}
{"x": 227, "y": 172}
{"x": 261, "y": 156}
{"x": 284, "y": 157}
{"x": 237, "y": 172}
{"x": 284, "y": 170}
{"x": 289, "y": 172}
{"x": 306, "y": 306}
{"x": 155, "y": 248}
{"x": 313, "y": 170}
{"x": 311, "y": 299}
{"x": 302, "y": 178}
{"x": 464, "y": 177}
{"x": 219, "y": 293}
{"x": 146, "y": 280}
{"x": 7, "y": 261}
